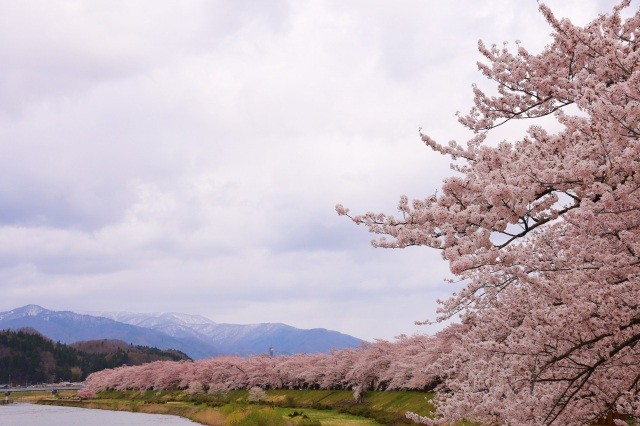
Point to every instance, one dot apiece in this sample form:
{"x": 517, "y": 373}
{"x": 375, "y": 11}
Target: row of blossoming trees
{"x": 407, "y": 363}
{"x": 545, "y": 233}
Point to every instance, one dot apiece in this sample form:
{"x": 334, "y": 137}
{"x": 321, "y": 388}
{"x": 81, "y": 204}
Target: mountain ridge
{"x": 241, "y": 339}
{"x": 195, "y": 335}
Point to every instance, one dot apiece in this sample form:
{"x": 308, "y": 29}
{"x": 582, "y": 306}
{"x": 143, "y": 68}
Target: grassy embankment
{"x": 281, "y": 407}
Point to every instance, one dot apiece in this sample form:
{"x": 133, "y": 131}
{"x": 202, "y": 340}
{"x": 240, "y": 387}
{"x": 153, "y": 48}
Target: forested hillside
{"x": 135, "y": 354}
{"x": 27, "y": 357}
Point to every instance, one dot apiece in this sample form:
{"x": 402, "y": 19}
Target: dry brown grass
{"x": 209, "y": 416}
{"x": 38, "y": 395}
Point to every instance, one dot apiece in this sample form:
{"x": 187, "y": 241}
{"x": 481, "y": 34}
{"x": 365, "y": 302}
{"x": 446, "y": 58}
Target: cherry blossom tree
{"x": 543, "y": 232}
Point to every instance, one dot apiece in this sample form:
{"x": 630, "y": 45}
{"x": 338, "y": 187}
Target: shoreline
{"x": 292, "y": 407}
{"x": 197, "y": 414}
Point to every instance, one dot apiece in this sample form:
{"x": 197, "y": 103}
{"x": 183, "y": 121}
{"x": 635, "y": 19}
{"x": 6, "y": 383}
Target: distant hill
{"x": 239, "y": 339}
{"x": 69, "y": 327}
{"x": 196, "y": 336}
{"x": 28, "y": 357}
{"x": 136, "y": 354}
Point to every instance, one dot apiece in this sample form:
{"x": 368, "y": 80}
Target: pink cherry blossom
{"x": 544, "y": 230}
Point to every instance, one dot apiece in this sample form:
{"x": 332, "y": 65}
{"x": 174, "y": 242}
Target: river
{"x": 20, "y": 414}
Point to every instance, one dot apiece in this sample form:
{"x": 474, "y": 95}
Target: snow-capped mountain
{"x": 197, "y": 336}
{"x": 240, "y": 338}
{"x": 69, "y": 327}
{"x": 173, "y": 324}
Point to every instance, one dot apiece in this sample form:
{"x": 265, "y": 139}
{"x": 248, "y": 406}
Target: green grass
{"x": 385, "y": 407}
{"x": 320, "y": 407}
{"x": 325, "y": 417}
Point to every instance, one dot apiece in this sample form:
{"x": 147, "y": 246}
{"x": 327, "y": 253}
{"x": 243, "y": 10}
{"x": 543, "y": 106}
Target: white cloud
{"x": 187, "y": 156}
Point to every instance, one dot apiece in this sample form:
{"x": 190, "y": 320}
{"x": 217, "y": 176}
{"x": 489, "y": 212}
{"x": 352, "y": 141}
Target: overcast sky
{"x": 187, "y": 156}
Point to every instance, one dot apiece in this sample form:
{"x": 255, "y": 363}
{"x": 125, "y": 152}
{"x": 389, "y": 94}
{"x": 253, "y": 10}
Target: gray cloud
{"x": 187, "y": 156}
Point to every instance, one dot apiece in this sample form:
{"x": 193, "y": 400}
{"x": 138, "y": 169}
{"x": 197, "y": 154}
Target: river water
{"x": 47, "y": 415}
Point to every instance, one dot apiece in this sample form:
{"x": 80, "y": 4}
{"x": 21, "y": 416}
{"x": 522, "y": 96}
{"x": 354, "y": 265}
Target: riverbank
{"x": 286, "y": 407}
